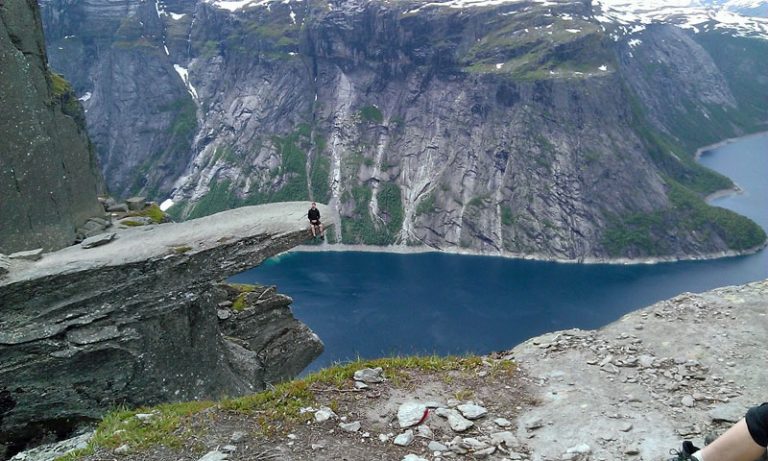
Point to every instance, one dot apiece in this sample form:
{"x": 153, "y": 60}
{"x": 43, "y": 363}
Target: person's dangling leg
{"x": 744, "y": 441}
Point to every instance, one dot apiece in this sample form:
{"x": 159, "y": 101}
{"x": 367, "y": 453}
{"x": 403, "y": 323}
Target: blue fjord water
{"x": 376, "y": 304}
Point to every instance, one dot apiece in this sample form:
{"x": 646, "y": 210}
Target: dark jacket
{"x": 314, "y": 214}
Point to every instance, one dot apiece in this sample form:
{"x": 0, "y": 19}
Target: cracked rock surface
{"x": 139, "y": 321}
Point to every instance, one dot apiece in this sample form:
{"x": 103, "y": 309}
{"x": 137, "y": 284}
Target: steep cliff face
{"x": 525, "y": 128}
{"x": 144, "y": 320}
{"x": 49, "y": 174}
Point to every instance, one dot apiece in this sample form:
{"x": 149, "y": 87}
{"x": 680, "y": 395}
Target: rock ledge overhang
{"x": 135, "y": 321}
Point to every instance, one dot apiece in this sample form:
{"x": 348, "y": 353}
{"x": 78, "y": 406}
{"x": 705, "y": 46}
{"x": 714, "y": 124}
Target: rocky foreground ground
{"x": 680, "y": 369}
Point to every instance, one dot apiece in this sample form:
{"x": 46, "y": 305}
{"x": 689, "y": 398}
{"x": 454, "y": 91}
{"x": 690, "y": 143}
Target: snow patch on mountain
{"x": 686, "y": 14}
{"x": 236, "y": 5}
{"x": 184, "y": 74}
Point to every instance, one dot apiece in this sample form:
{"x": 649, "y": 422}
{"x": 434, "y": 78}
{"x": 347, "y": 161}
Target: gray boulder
{"x": 118, "y": 208}
{"x": 136, "y": 203}
{"x": 98, "y": 240}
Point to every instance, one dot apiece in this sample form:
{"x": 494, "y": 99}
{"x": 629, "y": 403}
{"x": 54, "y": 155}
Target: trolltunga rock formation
{"x": 137, "y": 321}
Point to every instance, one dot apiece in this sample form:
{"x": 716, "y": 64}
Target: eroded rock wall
{"x": 524, "y": 129}
{"x": 49, "y": 178}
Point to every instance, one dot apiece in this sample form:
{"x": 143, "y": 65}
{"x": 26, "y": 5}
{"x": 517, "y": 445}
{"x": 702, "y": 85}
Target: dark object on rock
{"x": 98, "y": 240}
{"x": 31, "y": 255}
{"x": 136, "y": 203}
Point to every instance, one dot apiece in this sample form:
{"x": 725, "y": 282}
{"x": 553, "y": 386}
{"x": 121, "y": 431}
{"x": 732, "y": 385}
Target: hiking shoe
{"x": 688, "y": 449}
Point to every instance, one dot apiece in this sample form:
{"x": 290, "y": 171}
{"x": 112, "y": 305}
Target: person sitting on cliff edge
{"x": 314, "y": 220}
{"x": 744, "y": 441}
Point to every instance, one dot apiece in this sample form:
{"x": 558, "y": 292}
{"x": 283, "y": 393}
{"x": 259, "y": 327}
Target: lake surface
{"x": 375, "y": 304}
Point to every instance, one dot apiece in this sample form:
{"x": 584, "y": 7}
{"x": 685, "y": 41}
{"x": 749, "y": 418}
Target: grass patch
{"x": 63, "y": 94}
{"x": 121, "y": 427}
{"x": 152, "y": 212}
{"x": 275, "y": 411}
{"x": 239, "y": 304}
{"x": 391, "y": 205}
{"x": 507, "y": 217}
{"x": 371, "y": 114}
{"x": 281, "y": 406}
{"x": 427, "y": 205}
{"x": 59, "y": 85}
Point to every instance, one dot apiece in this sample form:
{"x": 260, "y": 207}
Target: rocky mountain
{"x": 552, "y": 129}
{"x": 50, "y": 178}
{"x": 144, "y": 319}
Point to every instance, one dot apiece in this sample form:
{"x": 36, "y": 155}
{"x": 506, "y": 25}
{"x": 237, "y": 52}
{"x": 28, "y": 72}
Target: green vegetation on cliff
{"x": 378, "y": 230}
{"x": 63, "y": 94}
{"x": 650, "y": 234}
{"x": 218, "y": 198}
{"x": 321, "y": 170}
{"x": 742, "y": 62}
{"x": 371, "y": 114}
{"x": 672, "y": 158}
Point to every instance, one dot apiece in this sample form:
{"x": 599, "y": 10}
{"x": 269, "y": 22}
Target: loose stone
{"x": 425, "y": 432}
{"x": 474, "y": 444}
{"x": 324, "y": 414}
{"x": 472, "y": 411}
{"x": 31, "y": 255}
{"x": 350, "y": 427}
{"x": 457, "y": 422}
{"x": 581, "y": 449}
{"x": 533, "y": 424}
{"x": 411, "y": 413}
{"x": 507, "y": 438}
{"x": 98, "y": 240}
{"x": 214, "y": 456}
{"x": 502, "y": 422}
{"x": 485, "y": 452}
{"x": 370, "y": 375}
{"x": 412, "y": 457}
{"x": 404, "y": 439}
{"x": 436, "y": 446}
